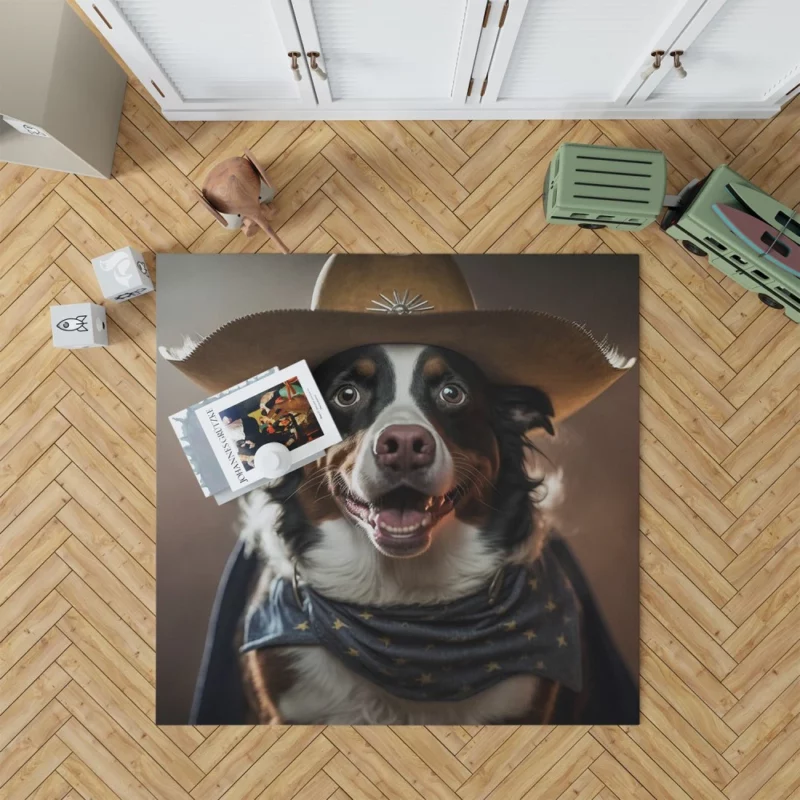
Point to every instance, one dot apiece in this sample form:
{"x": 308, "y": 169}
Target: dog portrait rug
{"x": 464, "y": 551}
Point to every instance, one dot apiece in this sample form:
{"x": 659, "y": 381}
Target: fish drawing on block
{"x": 77, "y": 324}
{"x": 763, "y": 238}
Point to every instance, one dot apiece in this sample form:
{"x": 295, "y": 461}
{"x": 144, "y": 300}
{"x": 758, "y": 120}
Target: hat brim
{"x": 522, "y": 348}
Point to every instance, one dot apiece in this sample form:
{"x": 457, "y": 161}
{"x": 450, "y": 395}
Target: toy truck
{"x": 745, "y": 234}
{"x": 702, "y": 231}
{"x": 605, "y": 187}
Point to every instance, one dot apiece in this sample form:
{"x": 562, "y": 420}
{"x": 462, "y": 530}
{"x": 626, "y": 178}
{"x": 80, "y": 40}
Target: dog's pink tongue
{"x": 401, "y": 518}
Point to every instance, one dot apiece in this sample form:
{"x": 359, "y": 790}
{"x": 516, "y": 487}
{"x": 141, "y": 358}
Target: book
{"x": 222, "y": 434}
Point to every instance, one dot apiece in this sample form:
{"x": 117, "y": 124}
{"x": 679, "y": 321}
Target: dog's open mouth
{"x": 402, "y": 520}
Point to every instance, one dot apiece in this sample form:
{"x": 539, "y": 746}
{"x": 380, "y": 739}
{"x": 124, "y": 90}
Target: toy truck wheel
{"x": 769, "y": 301}
{"x": 693, "y": 248}
{"x": 592, "y": 226}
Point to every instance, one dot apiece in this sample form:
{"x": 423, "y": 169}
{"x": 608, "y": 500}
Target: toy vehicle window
{"x": 774, "y": 244}
{"x": 790, "y": 295}
{"x": 790, "y": 224}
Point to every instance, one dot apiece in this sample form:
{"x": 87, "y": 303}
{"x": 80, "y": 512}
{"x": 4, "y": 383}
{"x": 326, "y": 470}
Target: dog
{"x": 426, "y": 497}
{"x": 409, "y": 575}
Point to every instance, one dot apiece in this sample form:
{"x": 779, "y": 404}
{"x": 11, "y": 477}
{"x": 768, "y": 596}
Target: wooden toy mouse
{"x": 238, "y": 193}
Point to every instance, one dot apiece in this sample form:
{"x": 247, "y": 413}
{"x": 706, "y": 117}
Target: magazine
{"x": 222, "y": 434}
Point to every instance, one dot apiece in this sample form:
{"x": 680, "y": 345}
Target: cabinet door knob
{"x": 316, "y": 68}
{"x": 676, "y": 60}
{"x": 295, "y": 66}
{"x": 657, "y": 55}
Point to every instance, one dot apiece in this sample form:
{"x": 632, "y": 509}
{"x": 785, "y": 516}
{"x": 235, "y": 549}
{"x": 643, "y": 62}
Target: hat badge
{"x": 401, "y": 304}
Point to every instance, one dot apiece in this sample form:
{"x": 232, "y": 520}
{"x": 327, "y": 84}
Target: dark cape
{"x": 609, "y": 696}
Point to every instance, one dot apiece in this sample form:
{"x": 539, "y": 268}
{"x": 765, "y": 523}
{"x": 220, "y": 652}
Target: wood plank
{"x": 105, "y": 584}
{"x": 683, "y": 447}
{"x": 129, "y": 571}
{"x": 497, "y": 149}
{"x": 29, "y": 233}
{"x": 209, "y": 134}
{"x": 426, "y": 168}
{"x": 537, "y": 147}
{"x": 157, "y": 165}
{"x": 690, "y": 634}
{"x": 98, "y": 650}
{"x": 452, "y": 127}
{"x": 31, "y": 629}
{"x": 475, "y": 134}
{"x": 348, "y": 234}
{"x": 347, "y": 198}
{"x": 37, "y": 770}
{"x": 152, "y": 197}
{"x": 110, "y": 625}
{"x": 437, "y": 143}
{"x": 108, "y": 407}
{"x": 30, "y": 485}
{"x": 680, "y": 408}
{"x": 31, "y": 266}
{"x": 151, "y": 739}
{"x": 110, "y": 444}
{"x": 12, "y": 176}
{"x": 682, "y": 555}
{"x": 30, "y": 430}
{"x": 149, "y": 230}
{"x": 437, "y": 219}
{"x": 32, "y": 592}
{"x": 718, "y": 517}
{"x": 31, "y": 302}
{"x": 109, "y": 479}
{"x": 671, "y": 732}
{"x": 26, "y": 198}
{"x": 159, "y": 131}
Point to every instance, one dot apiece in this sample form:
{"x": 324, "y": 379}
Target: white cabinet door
{"x": 562, "y": 54}
{"x": 392, "y": 54}
{"x": 735, "y": 51}
{"x": 207, "y": 54}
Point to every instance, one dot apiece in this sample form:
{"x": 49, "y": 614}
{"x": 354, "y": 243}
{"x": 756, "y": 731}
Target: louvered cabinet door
{"x": 394, "y": 54}
{"x": 735, "y": 51}
{"x": 557, "y": 54}
{"x": 208, "y": 55}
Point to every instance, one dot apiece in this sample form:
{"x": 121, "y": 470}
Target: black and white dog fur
{"x": 424, "y": 499}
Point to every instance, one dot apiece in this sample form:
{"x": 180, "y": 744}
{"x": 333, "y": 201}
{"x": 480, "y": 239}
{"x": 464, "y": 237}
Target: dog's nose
{"x": 404, "y": 448}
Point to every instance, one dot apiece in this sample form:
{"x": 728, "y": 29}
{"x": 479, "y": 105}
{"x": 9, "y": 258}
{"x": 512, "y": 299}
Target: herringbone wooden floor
{"x": 720, "y": 467}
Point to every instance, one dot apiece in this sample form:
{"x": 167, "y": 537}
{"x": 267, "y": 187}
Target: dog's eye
{"x": 453, "y": 395}
{"x": 346, "y": 396}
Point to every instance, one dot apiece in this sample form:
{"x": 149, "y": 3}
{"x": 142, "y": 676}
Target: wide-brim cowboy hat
{"x": 418, "y": 299}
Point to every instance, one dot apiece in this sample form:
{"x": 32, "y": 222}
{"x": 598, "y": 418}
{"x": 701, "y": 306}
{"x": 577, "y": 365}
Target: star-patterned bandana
{"x": 527, "y": 623}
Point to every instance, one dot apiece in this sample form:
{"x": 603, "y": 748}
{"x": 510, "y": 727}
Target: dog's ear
{"x": 524, "y": 408}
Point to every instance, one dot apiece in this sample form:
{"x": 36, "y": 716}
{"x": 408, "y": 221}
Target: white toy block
{"x": 78, "y": 325}
{"x": 122, "y": 274}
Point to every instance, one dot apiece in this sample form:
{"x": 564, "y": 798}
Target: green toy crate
{"x": 598, "y": 187}
{"x": 696, "y": 225}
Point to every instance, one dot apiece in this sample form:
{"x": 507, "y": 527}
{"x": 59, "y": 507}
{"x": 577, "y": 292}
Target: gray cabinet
{"x": 58, "y": 78}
